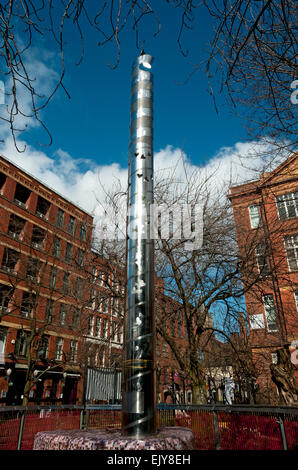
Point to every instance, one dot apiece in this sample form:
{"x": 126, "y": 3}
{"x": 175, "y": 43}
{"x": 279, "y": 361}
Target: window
{"x": 254, "y": 216}
{"x": 104, "y": 328}
{"x": 100, "y": 278}
{"x": 103, "y": 303}
{"x": 90, "y": 325}
{"x": 57, "y": 243}
{"x": 73, "y": 350}
{"x": 270, "y": 312}
{"x": 287, "y": 205}
{"x": 114, "y": 306}
{"x": 256, "y": 321}
{"x": 59, "y": 349}
{"x": 81, "y": 254}
{"x": 121, "y": 307}
{"x": 28, "y": 302}
{"x": 38, "y": 238}
{"x": 5, "y": 296}
{"x": 3, "y": 178}
{"x": 3, "y": 336}
{"x": 106, "y": 305}
{"x": 274, "y": 358}
{"x": 76, "y": 318}
{"x": 97, "y": 327}
{"x": 71, "y": 225}
{"x": 68, "y": 253}
{"x": 42, "y": 207}
{"x": 262, "y": 259}
{"x": 22, "y": 195}
{"x": 21, "y": 343}
{"x": 291, "y": 245}
{"x": 114, "y": 331}
{"x": 10, "y": 260}
{"x": 33, "y": 268}
{"x": 44, "y": 349}
{"x": 63, "y": 313}
{"x": 296, "y": 298}
{"x": 165, "y": 350}
{"x": 79, "y": 287}
{"x": 93, "y": 299}
{"x": 83, "y": 233}
{"x": 16, "y": 226}
{"x": 49, "y": 311}
{"x": 60, "y": 217}
{"x": 65, "y": 286}
{"x": 53, "y": 278}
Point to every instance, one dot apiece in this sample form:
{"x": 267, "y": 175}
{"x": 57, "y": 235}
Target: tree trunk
{"x": 198, "y": 394}
{"x": 27, "y": 389}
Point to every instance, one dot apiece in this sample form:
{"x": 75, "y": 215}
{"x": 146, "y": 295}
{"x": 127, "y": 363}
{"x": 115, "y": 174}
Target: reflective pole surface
{"x": 138, "y": 415}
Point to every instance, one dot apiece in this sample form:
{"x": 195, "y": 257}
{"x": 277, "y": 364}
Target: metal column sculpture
{"x": 138, "y": 415}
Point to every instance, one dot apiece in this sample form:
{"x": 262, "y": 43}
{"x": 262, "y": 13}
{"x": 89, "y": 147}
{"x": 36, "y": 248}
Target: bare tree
{"x": 251, "y": 54}
{"x": 210, "y": 279}
{"x": 33, "y": 294}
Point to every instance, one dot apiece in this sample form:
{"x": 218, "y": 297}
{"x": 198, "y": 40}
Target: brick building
{"x": 266, "y": 220}
{"x": 44, "y": 242}
{"x": 62, "y": 304}
{"x": 60, "y": 295}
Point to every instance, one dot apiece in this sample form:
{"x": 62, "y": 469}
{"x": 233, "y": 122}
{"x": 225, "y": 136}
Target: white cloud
{"x": 40, "y": 75}
{"x": 84, "y": 182}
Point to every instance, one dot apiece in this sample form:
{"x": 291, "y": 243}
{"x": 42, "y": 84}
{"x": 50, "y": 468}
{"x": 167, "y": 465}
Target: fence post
{"x": 21, "y": 430}
{"x": 82, "y": 419}
{"x": 216, "y": 430}
{"x": 87, "y": 418}
{"x": 282, "y": 431}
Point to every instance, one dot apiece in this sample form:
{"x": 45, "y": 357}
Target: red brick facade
{"x": 266, "y": 220}
{"x": 47, "y": 267}
{"x": 43, "y": 242}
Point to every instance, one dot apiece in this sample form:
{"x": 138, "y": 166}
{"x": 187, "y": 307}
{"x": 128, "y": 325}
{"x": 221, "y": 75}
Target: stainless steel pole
{"x": 138, "y": 415}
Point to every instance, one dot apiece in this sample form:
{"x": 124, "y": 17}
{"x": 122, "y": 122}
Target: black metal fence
{"x": 220, "y": 427}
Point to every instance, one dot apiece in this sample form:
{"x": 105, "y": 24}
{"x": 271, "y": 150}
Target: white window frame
{"x": 3, "y": 340}
{"x": 268, "y": 311}
{"x": 59, "y": 349}
{"x": 62, "y": 314}
{"x": 254, "y": 218}
{"x": 292, "y": 244}
{"x": 45, "y": 342}
{"x": 97, "y": 326}
{"x": 284, "y": 201}
{"x": 260, "y": 250}
{"x": 73, "y": 350}
{"x": 90, "y": 325}
{"x": 256, "y": 321}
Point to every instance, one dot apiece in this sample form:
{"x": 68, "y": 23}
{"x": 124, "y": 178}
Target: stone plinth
{"x": 169, "y": 438}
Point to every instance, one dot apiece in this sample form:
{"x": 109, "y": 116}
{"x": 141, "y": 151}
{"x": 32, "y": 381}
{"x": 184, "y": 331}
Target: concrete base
{"x": 169, "y": 438}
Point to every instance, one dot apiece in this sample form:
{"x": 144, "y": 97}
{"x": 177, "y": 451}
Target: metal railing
{"x": 220, "y": 427}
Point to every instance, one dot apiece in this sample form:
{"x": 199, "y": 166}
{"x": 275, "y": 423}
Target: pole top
{"x": 144, "y": 59}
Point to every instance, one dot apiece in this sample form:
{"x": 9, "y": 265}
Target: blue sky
{"x": 96, "y": 118}
{"x": 91, "y": 130}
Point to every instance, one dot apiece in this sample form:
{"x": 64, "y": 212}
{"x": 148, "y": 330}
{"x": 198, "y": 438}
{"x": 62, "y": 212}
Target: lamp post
{"x": 138, "y": 415}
